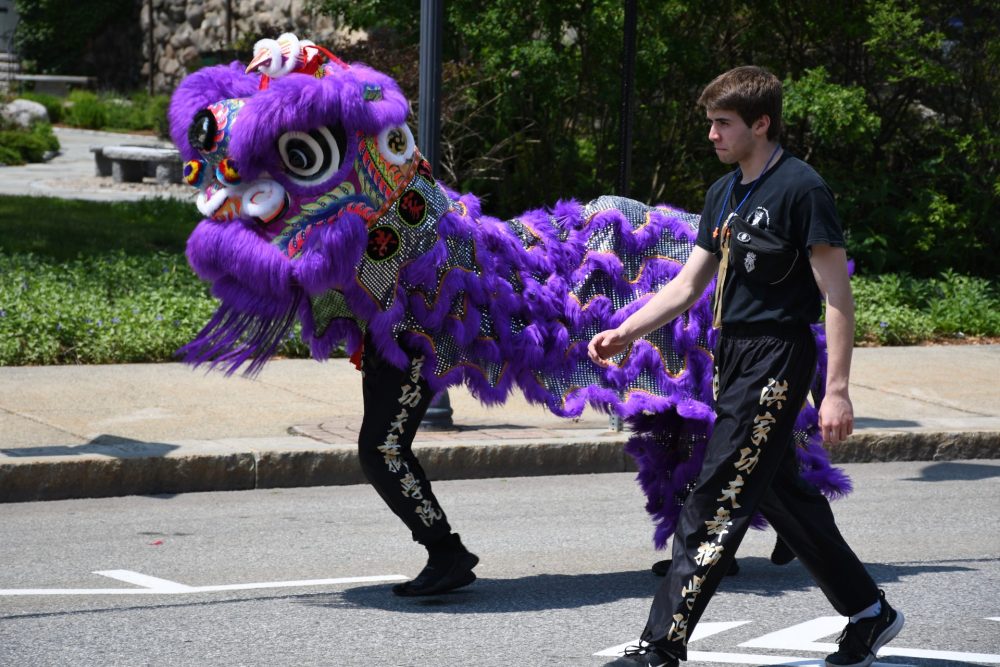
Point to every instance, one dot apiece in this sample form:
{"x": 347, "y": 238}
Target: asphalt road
{"x": 258, "y": 577}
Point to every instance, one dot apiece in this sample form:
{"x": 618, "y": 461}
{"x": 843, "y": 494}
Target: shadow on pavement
{"x": 106, "y": 445}
{"x": 561, "y": 591}
{"x": 872, "y": 422}
{"x": 952, "y": 470}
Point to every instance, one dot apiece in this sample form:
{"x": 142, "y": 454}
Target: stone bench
{"x": 130, "y": 164}
{"x": 54, "y": 84}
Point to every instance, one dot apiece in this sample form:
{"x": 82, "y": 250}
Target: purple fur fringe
{"x": 524, "y": 287}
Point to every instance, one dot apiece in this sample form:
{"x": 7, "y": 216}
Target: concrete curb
{"x": 917, "y": 446}
{"x": 230, "y": 465}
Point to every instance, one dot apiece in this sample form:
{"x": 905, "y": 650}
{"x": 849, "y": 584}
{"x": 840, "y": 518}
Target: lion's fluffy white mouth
{"x": 263, "y": 199}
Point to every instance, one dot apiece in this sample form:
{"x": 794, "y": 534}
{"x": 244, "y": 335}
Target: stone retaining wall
{"x": 188, "y": 34}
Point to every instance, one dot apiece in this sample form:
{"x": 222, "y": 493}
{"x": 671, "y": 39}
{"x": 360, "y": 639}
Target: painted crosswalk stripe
{"x": 155, "y": 586}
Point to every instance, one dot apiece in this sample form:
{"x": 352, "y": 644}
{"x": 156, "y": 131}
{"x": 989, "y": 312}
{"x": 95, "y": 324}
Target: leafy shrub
{"x": 139, "y": 111}
{"x": 85, "y": 109}
{"x": 964, "y": 305}
{"x": 157, "y": 115}
{"x": 890, "y": 324}
{"x": 8, "y": 155}
{"x": 114, "y": 287}
{"x": 901, "y": 310}
{"x": 117, "y": 308}
{"x": 53, "y": 105}
{"x": 120, "y": 114}
{"x": 18, "y": 146}
{"x": 112, "y": 308}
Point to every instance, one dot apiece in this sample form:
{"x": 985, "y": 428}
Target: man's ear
{"x": 761, "y": 125}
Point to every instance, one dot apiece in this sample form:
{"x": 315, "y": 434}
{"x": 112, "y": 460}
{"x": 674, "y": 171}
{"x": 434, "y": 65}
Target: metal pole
{"x": 152, "y": 47}
{"x": 628, "y": 100}
{"x": 229, "y": 24}
{"x": 429, "y": 125}
{"x": 438, "y": 416}
{"x": 625, "y": 126}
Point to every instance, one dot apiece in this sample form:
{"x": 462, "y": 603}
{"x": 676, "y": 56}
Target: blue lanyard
{"x": 732, "y": 182}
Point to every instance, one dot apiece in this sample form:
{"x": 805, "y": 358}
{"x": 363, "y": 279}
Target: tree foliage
{"x": 98, "y": 38}
{"x": 893, "y": 101}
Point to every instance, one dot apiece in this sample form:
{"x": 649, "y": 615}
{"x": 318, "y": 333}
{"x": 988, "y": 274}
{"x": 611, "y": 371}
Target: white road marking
{"x": 802, "y": 637}
{"x": 753, "y": 659}
{"x": 701, "y": 631}
{"x": 145, "y": 581}
{"x": 745, "y": 658}
{"x": 156, "y": 586}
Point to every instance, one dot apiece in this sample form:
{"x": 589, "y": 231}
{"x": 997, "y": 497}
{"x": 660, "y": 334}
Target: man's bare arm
{"x": 673, "y": 299}
{"x": 836, "y": 413}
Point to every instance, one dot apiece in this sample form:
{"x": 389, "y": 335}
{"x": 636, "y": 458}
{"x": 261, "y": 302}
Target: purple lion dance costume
{"x": 319, "y": 208}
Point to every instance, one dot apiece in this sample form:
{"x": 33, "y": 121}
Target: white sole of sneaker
{"x": 889, "y": 633}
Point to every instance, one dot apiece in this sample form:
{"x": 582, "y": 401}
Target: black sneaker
{"x": 448, "y": 567}
{"x": 859, "y": 642}
{"x": 661, "y": 567}
{"x": 645, "y": 655}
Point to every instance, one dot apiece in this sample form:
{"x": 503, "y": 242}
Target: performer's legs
{"x": 802, "y": 517}
{"x": 763, "y": 380}
{"x": 395, "y": 402}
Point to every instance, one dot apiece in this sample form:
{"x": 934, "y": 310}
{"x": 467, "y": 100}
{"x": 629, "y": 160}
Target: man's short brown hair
{"x": 750, "y": 91}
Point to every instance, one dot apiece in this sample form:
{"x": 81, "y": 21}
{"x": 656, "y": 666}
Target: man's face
{"x": 732, "y": 138}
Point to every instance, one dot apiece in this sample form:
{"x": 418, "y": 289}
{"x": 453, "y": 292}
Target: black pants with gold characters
{"x": 764, "y": 373}
{"x": 395, "y": 402}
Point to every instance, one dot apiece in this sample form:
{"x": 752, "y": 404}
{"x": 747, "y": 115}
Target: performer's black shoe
{"x": 449, "y": 566}
{"x": 781, "y": 555}
{"x": 645, "y": 655}
{"x": 661, "y": 567}
{"x": 859, "y": 642}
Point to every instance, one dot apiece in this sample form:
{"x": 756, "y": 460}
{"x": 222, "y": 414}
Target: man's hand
{"x": 836, "y": 418}
{"x": 663, "y": 307}
{"x": 605, "y": 345}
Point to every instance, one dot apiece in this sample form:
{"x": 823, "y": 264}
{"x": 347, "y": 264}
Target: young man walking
{"x": 770, "y": 231}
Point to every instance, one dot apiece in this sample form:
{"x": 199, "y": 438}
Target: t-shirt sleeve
{"x": 818, "y": 212}
{"x": 704, "y": 238}
{"x": 706, "y": 226}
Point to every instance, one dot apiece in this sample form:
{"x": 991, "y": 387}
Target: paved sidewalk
{"x": 87, "y": 431}
{"x": 83, "y": 431}
{"x": 72, "y": 174}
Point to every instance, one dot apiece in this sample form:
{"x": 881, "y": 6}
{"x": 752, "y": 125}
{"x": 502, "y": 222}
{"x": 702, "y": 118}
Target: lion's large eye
{"x": 396, "y": 144}
{"x": 202, "y": 131}
{"x": 312, "y": 157}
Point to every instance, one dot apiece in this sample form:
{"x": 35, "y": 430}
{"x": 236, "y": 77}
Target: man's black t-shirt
{"x": 793, "y": 202}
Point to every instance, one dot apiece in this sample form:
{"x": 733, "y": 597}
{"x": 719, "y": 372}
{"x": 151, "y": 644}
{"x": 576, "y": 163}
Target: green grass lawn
{"x": 95, "y": 282}
{"x": 61, "y": 229}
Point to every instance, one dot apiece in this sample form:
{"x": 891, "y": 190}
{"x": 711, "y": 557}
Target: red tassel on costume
{"x": 356, "y": 357}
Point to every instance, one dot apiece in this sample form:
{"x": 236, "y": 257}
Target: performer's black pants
{"x": 764, "y": 373}
{"x": 395, "y": 402}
